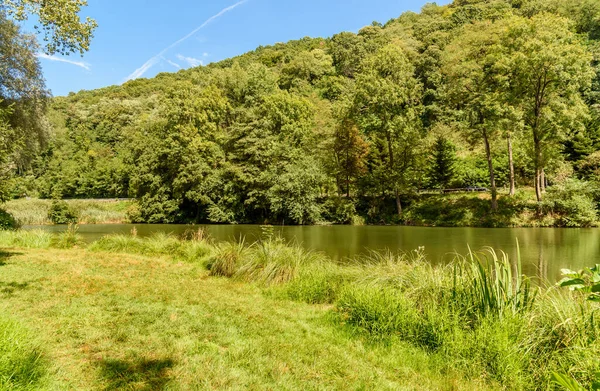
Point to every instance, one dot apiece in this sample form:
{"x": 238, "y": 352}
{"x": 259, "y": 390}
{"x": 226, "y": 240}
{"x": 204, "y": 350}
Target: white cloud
{"x": 193, "y": 62}
{"x": 172, "y": 63}
{"x": 205, "y": 54}
{"x": 152, "y": 61}
{"x": 80, "y": 64}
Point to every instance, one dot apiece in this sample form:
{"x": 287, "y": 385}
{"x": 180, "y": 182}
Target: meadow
{"x": 184, "y": 313}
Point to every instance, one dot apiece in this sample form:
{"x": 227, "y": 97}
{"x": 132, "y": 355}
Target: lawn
{"x": 89, "y": 320}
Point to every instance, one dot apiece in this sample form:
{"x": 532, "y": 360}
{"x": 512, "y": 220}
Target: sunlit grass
{"x": 141, "y": 314}
{"x": 113, "y": 321}
{"x": 33, "y": 211}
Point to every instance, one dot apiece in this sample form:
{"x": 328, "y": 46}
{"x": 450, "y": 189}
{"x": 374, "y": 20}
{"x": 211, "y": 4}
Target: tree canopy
{"x": 474, "y": 93}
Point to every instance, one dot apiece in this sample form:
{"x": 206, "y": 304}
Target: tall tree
{"x": 475, "y": 86}
{"x": 549, "y": 67}
{"x": 350, "y": 150}
{"x": 388, "y": 102}
{"x": 22, "y": 97}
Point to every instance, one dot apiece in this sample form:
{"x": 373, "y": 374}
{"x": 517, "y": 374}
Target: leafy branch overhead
{"x": 58, "y": 21}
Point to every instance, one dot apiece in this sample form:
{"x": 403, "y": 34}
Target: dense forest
{"x": 501, "y": 94}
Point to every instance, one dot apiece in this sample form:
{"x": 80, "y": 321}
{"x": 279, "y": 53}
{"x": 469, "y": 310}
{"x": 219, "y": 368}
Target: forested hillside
{"x": 495, "y": 94}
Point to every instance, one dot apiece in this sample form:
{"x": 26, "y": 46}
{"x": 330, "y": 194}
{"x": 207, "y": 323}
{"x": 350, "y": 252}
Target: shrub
{"x": 379, "y": 311}
{"x": 273, "y": 262}
{"x": 7, "y": 221}
{"x": 573, "y": 203}
{"x": 318, "y": 285}
{"x": 61, "y": 213}
{"x": 134, "y": 213}
{"x": 339, "y": 210}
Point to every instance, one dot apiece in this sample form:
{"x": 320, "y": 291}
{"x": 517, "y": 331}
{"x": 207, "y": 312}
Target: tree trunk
{"x": 391, "y": 160}
{"x": 538, "y": 170}
{"x": 511, "y": 167}
{"x": 488, "y": 155}
{"x": 398, "y": 203}
{"x": 543, "y": 181}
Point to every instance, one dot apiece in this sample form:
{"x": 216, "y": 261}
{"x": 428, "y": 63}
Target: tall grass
{"x": 26, "y": 239}
{"x": 21, "y": 364}
{"x": 487, "y": 284}
{"x": 35, "y": 211}
{"x": 158, "y": 244}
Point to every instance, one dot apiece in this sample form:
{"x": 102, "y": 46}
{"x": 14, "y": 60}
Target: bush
{"x": 134, "y": 213}
{"x": 339, "y": 210}
{"x": 61, "y": 213}
{"x": 7, "y": 221}
{"x": 573, "y": 203}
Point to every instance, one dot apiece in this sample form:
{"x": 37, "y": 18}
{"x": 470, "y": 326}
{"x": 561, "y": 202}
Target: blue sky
{"x": 140, "y": 38}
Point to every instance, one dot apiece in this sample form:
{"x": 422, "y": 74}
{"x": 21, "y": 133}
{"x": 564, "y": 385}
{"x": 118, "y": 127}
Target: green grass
{"x": 35, "y": 211}
{"x": 163, "y": 313}
{"x": 21, "y": 362}
{"x": 129, "y": 322}
{"x": 521, "y": 210}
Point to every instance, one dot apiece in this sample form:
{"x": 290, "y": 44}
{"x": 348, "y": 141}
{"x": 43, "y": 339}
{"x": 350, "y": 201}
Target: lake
{"x": 544, "y": 251}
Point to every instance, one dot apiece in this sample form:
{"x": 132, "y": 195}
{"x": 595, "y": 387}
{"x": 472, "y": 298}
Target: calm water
{"x": 544, "y": 251}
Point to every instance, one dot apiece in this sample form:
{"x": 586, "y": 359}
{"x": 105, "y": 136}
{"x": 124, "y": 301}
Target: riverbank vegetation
{"x": 495, "y": 94}
{"x": 42, "y": 212}
{"x": 193, "y": 313}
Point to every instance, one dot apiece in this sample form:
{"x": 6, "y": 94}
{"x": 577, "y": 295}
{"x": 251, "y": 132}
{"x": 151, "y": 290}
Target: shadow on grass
{"x": 139, "y": 374}
{"x": 11, "y": 287}
{"x": 4, "y": 255}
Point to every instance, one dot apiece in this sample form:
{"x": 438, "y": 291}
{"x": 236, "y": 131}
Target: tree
{"x": 476, "y": 87}
{"x": 22, "y": 98}
{"x": 350, "y": 151}
{"x": 549, "y": 66}
{"x": 58, "y": 21}
{"x": 387, "y": 104}
{"x": 443, "y": 158}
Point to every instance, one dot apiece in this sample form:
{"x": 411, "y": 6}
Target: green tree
{"x": 443, "y": 158}
{"x": 549, "y": 66}
{"x": 388, "y": 104}
{"x": 23, "y": 99}
{"x": 57, "y": 20}
{"x": 475, "y": 87}
{"x": 350, "y": 151}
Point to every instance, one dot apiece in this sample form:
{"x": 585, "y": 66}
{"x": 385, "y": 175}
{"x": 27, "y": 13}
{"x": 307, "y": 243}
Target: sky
{"x": 141, "y": 38}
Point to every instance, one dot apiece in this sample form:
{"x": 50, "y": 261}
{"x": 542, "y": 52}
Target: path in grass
{"x": 113, "y": 322}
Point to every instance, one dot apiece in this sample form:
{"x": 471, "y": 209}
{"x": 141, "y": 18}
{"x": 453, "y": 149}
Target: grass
{"x": 111, "y": 322}
{"x": 520, "y": 210}
{"x": 163, "y": 313}
{"x": 21, "y": 363}
{"x": 33, "y": 211}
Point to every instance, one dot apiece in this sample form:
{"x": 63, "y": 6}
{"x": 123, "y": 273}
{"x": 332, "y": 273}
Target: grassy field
{"x": 33, "y": 211}
{"x": 162, "y": 313}
{"x": 107, "y": 322}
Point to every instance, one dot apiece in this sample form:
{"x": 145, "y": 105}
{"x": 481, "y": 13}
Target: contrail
{"x": 152, "y": 61}
{"x": 81, "y": 64}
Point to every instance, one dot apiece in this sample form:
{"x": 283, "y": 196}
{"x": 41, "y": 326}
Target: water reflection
{"x": 544, "y": 251}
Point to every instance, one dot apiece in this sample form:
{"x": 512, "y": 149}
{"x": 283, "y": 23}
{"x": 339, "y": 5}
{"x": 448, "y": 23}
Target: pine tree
{"x": 441, "y": 169}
